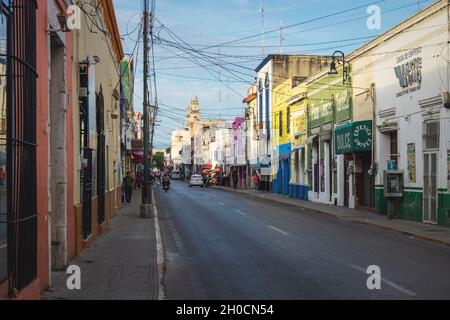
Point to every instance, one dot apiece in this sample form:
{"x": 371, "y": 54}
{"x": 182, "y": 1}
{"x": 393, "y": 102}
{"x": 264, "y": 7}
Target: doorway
{"x": 347, "y": 160}
{"x": 57, "y": 154}
{"x": 430, "y": 188}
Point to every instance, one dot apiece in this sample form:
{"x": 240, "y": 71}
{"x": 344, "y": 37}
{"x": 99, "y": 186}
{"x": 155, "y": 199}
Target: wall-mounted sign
{"x": 409, "y": 71}
{"x": 353, "y": 137}
{"x": 412, "y": 162}
{"x": 448, "y": 170}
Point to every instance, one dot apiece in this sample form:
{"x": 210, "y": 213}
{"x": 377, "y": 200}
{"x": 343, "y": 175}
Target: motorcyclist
{"x": 158, "y": 178}
{"x": 166, "y": 180}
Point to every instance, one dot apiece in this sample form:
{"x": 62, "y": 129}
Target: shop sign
{"x": 412, "y": 162}
{"x": 448, "y": 170}
{"x": 409, "y": 71}
{"x": 353, "y": 137}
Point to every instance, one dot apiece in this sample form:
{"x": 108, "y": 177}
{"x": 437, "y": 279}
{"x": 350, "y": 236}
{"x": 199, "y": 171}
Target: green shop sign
{"x": 353, "y": 137}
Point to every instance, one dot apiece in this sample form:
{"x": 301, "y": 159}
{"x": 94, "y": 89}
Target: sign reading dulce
{"x": 353, "y": 137}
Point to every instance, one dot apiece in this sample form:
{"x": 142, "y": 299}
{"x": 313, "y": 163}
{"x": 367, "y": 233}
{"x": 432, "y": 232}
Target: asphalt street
{"x": 222, "y": 245}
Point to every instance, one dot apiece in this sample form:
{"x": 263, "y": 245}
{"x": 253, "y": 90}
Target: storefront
{"x": 353, "y": 144}
{"x": 299, "y": 177}
{"x": 320, "y": 97}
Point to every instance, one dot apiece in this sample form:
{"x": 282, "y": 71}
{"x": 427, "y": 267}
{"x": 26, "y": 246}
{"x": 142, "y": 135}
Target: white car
{"x": 196, "y": 181}
{"x": 176, "y": 175}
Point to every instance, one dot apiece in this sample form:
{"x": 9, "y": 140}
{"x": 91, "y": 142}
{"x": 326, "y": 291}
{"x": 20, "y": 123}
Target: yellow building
{"x": 289, "y": 139}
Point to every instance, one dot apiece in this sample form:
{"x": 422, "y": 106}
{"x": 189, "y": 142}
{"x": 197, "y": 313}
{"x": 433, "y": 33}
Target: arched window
{"x": 260, "y": 100}
{"x": 267, "y": 105}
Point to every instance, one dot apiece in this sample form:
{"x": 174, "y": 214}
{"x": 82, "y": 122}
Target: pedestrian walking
{"x": 127, "y": 184}
{"x": 256, "y": 181}
{"x": 235, "y": 178}
{"x": 138, "y": 181}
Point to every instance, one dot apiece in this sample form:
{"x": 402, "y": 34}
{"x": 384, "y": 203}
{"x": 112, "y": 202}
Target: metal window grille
{"x": 101, "y": 157}
{"x": 21, "y": 144}
{"x": 431, "y": 135}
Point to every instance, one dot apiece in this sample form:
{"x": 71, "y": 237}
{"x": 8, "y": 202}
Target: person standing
{"x": 256, "y": 181}
{"x": 128, "y": 183}
{"x": 235, "y": 179}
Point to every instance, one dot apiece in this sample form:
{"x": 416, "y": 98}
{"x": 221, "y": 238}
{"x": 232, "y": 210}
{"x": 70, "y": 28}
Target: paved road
{"x": 223, "y": 245}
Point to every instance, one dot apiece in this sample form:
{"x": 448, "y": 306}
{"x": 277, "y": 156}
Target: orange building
{"x": 43, "y": 221}
{"x": 37, "y": 145}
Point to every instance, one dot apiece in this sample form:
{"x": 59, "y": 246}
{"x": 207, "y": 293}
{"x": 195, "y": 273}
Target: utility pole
{"x": 262, "y": 28}
{"x": 146, "y": 208}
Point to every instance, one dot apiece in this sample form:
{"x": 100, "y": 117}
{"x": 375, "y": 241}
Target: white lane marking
{"x": 221, "y": 203}
{"x": 241, "y": 213}
{"x": 279, "y": 230}
{"x": 3, "y": 246}
{"x": 388, "y": 282}
{"x": 160, "y": 256}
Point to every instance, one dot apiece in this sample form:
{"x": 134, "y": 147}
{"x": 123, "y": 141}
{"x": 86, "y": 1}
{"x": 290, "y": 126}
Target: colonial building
{"x": 179, "y": 139}
{"x": 273, "y": 72}
{"x": 127, "y": 114}
{"x": 411, "y": 78}
{"x": 252, "y": 135}
{"x": 97, "y": 122}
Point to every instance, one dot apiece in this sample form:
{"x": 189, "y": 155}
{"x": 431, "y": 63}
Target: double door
{"x": 430, "y": 191}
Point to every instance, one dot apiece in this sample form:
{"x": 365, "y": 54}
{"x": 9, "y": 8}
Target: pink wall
{"x": 42, "y": 142}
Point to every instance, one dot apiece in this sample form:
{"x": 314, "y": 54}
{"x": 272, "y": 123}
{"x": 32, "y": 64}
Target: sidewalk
{"x": 436, "y": 234}
{"x": 120, "y": 265}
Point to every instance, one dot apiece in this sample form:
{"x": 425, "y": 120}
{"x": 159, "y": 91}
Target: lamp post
{"x": 333, "y": 65}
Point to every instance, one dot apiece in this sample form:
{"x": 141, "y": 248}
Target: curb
{"x": 370, "y": 224}
{"x": 278, "y": 201}
{"x": 405, "y": 233}
{"x": 160, "y": 258}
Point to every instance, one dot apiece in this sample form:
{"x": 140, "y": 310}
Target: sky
{"x": 222, "y": 71}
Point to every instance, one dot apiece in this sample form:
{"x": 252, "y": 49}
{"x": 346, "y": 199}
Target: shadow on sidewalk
{"x": 120, "y": 264}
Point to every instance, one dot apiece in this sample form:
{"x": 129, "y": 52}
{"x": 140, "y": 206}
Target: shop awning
{"x": 353, "y": 137}
{"x": 207, "y": 166}
{"x": 137, "y": 157}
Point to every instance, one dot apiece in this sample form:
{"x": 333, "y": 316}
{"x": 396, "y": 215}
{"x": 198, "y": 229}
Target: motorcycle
{"x": 166, "y": 186}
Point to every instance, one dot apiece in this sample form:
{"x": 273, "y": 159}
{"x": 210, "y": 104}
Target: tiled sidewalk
{"x": 120, "y": 265}
{"x": 436, "y": 234}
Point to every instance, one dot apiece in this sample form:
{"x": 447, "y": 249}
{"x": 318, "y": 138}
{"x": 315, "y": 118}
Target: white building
{"x": 411, "y": 73}
{"x": 179, "y": 139}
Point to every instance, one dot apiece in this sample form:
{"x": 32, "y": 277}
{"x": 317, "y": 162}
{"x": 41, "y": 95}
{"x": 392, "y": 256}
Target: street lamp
{"x": 333, "y": 66}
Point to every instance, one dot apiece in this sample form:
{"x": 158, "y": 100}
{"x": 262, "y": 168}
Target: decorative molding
{"x": 431, "y": 102}
{"x": 390, "y": 112}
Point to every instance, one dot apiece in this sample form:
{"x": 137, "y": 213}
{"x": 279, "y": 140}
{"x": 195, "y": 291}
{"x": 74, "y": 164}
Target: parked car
{"x": 176, "y": 175}
{"x": 196, "y": 181}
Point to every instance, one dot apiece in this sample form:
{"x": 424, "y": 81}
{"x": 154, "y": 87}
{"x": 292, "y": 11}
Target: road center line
{"x": 389, "y": 283}
{"x": 279, "y": 230}
{"x": 241, "y": 213}
{"x": 221, "y": 203}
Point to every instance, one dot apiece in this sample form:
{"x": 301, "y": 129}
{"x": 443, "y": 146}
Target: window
{"x": 260, "y": 100}
{"x": 288, "y": 120}
{"x": 21, "y": 142}
{"x": 394, "y": 146}
{"x": 268, "y": 115}
{"x": 431, "y": 135}
{"x": 281, "y": 122}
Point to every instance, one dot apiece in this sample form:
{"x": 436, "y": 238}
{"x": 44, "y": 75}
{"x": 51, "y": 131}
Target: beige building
{"x": 96, "y": 127}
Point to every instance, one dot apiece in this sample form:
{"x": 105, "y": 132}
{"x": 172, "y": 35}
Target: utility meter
{"x": 393, "y": 184}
